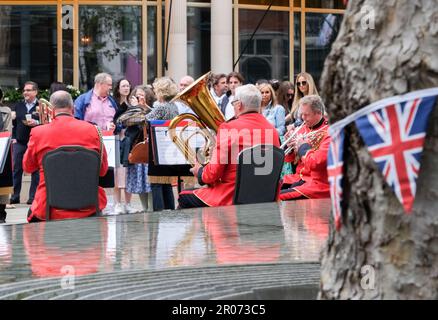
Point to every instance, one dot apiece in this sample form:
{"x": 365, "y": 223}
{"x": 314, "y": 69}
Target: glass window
{"x": 297, "y": 45}
{"x": 321, "y": 31}
{"x": 28, "y": 45}
{"x": 198, "y": 41}
{"x": 67, "y": 56}
{"x": 268, "y": 60}
{"x": 152, "y": 44}
{"x": 110, "y": 41}
{"x": 326, "y": 4}
{"x": 283, "y": 3}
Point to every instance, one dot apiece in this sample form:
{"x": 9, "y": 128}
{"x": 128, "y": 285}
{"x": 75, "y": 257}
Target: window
{"x": 271, "y": 44}
{"x": 321, "y": 31}
{"x": 110, "y": 41}
{"x": 28, "y": 45}
{"x": 198, "y": 41}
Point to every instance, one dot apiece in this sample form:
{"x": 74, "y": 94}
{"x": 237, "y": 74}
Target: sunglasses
{"x": 290, "y": 94}
{"x": 301, "y": 84}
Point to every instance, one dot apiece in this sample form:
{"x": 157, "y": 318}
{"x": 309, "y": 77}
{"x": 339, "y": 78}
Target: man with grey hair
{"x": 309, "y": 146}
{"x": 63, "y": 130}
{"x": 184, "y": 83}
{"x": 97, "y": 105}
{"x": 248, "y": 128}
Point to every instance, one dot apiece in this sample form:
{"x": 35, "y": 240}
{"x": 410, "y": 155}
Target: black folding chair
{"x": 258, "y": 174}
{"x": 72, "y": 177}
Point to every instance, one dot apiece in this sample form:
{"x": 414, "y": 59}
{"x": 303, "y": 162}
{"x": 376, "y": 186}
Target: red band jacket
{"x": 247, "y": 130}
{"x": 311, "y": 166}
{"x": 63, "y": 130}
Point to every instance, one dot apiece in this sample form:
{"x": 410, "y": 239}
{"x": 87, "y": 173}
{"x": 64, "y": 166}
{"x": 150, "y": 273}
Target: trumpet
{"x": 291, "y": 138}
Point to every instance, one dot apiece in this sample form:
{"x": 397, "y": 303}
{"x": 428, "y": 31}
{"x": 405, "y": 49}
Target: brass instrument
{"x": 314, "y": 138}
{"x": 208, "y": 117}
{"x": 291, "y": 138}
{"x": 45, "y": 111}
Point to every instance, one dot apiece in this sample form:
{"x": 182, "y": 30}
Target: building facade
{"x": 72, "y": 40}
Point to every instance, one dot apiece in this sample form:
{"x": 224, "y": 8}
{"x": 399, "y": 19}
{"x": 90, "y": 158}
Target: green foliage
{"x": 12, "y": 95}
{"x": 15, "y": 94}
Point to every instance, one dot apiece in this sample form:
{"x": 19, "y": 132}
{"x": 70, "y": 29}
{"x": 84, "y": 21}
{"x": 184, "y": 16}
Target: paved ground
{"x": 19, "y": 214}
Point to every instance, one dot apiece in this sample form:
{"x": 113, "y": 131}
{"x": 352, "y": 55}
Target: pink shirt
{"x": 99, "y": 111}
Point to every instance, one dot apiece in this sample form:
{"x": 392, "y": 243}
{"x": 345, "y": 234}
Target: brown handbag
{"x": 140, "y": 152}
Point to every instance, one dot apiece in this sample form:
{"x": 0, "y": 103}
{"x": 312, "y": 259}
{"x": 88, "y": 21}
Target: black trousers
{"x": 187, "y": 199}
{"x": 2, "y": 212}
{"x": 18, "y": 151}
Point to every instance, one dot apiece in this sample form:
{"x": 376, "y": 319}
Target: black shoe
{"x": 14, "y": 201}
{"x": 29, "y": 201}
{"x": 2, "y": 221}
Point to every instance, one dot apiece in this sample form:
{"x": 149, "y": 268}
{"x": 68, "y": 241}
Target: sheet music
{"x": 112, "y": 146}
{"x": 5, "y": 141}
{"x": 167, "y": 151}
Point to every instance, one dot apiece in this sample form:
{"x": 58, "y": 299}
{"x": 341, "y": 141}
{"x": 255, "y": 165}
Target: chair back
{"x": 258, "y": 174}
{"x": 72, "y": 178}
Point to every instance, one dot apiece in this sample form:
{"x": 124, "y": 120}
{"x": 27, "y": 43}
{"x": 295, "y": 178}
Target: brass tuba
{"x": 45, "y": 111}
{"x": 208, "y": 117}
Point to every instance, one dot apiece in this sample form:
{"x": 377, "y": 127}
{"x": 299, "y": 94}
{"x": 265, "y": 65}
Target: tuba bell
{"x": 208, "y": 118}
{"x": 45, "y": 111}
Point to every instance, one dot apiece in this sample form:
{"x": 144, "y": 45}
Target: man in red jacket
{"x": 309, "y": 151}
{"x": 63, "y": 130}
{"x": 246, "y": 129}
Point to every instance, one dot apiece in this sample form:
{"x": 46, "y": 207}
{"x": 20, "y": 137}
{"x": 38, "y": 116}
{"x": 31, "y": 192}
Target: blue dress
{"x": 136, "y": 178}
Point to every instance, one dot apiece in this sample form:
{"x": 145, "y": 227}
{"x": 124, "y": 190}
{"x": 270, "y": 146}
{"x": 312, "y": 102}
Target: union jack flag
{"x": 335, "y": 165}
{"x": 394, "y": 134}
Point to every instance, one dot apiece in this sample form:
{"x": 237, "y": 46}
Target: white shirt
{"x": 216, "y": 98}
{"x": 30, "y": 105}
{"x": 183, "y": 108}
{"x": 229, "y": 109}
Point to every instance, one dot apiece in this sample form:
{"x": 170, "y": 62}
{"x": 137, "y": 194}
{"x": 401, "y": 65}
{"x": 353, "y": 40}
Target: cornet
{"x": 314, "y": 138}
{"x": 291, "y": 138}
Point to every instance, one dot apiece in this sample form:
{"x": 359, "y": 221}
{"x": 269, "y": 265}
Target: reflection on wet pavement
{"x": 234, "y": 235}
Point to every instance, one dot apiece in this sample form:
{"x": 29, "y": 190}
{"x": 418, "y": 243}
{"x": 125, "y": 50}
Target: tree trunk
{"x": 366, "y": 65}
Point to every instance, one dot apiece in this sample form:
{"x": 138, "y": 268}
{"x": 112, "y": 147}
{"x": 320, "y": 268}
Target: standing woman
{"x": 272, "y": 111}
{"x": 304, "y": 85}
{"x": 275, "y": 114}
{"x": 137, "y": 174}
{"x": 121, "y": 93}
{"x": 285, "y": 97}
{"x": 161, "y": 177}
{"x": 6, "y": 175}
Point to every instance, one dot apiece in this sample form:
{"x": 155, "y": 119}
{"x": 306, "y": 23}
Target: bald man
{"x": 63, "y": 130}
{"x": 185, "y": 82}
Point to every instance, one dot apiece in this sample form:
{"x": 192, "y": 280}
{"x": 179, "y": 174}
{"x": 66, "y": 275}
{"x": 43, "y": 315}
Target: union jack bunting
{"x": 335, "y": 166}
{"x": 394, "y": 133}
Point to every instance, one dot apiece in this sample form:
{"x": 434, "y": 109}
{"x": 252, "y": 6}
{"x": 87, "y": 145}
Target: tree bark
{"x": 366, "y": 65}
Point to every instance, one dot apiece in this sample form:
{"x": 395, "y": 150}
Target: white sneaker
{"x": 119, "y": 208}
{"x": 131, "y": 209}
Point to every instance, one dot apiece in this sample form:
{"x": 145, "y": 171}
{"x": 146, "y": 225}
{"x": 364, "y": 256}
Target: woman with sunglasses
{"x": 304, "y": 86}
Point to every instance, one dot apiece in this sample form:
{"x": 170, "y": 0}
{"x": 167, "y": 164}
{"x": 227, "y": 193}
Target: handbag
{"x": 140, "y": 152}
